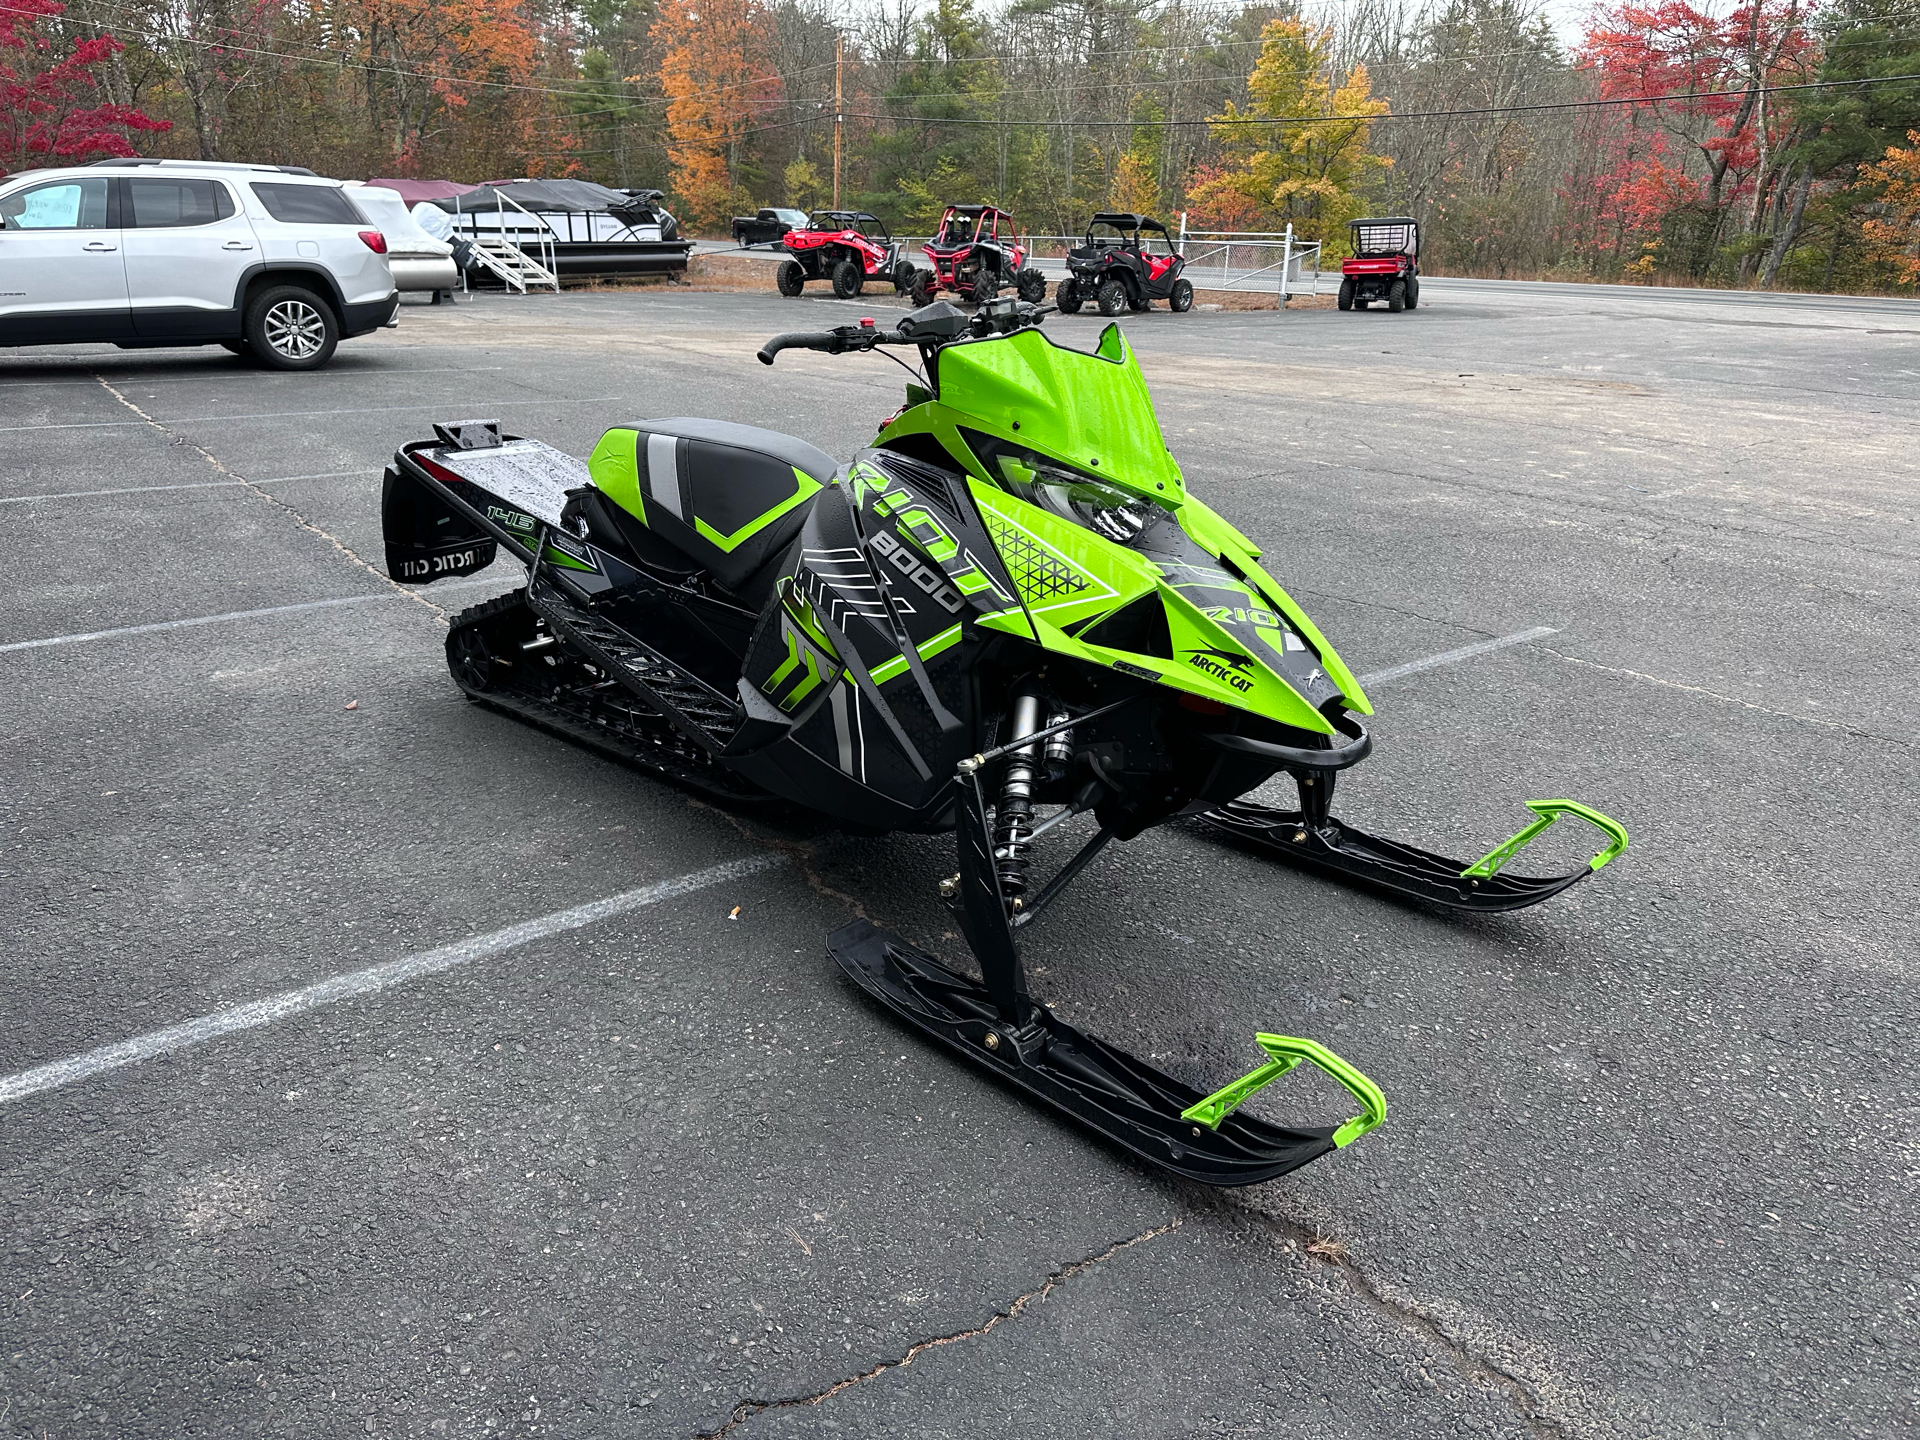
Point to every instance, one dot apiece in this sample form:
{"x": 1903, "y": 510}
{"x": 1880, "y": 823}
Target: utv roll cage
{"x": 872, "y": 226}
{"x": 1131, "y": 229}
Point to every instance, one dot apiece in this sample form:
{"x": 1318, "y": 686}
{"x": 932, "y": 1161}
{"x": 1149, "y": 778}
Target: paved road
{"x": 1650, "y": 1168}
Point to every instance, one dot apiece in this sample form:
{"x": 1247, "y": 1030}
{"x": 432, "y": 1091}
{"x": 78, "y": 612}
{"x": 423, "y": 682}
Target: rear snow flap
{"x": 427, "y": 539}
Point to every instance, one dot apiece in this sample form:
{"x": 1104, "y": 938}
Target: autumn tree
{"x": 717, "y": 75}
{"x": 1297, "y": 152}
{"x": 1893, "y": 234}
{"x": 1708, "y": 137}
{"x": 50, "y": 109}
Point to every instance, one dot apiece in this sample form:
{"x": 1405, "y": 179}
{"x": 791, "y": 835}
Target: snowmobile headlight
{"x": 1104, "y": 509}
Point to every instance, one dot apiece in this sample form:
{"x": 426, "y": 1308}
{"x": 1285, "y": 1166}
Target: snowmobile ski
{"x": 1320, "y": 842}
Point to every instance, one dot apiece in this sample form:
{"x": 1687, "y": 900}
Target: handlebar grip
{"x": 793, "y": 340}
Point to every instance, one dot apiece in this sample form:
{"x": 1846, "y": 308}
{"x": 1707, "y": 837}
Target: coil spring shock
{"x": 1013, "y": 818}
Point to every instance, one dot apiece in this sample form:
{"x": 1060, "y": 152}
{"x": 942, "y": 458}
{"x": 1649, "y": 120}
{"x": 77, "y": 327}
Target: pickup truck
{"x": 769, "y": 227}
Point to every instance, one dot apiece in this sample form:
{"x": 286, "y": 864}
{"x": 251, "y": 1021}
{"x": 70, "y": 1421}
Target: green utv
{"x": 1009, "y": 611}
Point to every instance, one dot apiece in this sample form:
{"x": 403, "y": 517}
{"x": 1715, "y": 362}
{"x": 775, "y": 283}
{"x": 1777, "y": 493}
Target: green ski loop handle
{"x": 1288, "y": 1052}
{"x": 1548, "y": 811}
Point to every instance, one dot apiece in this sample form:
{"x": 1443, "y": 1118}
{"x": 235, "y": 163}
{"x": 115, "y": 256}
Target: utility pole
{"x": 839, "y": 54}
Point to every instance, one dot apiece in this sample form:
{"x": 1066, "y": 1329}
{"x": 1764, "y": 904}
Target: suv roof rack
{"x": 209, "y": 165}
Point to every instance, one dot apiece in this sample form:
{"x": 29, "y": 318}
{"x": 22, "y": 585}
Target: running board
{"x": 699, "y": 711}
{"x": 1154, "y": 1117}
{"x": 1335, "y": 849}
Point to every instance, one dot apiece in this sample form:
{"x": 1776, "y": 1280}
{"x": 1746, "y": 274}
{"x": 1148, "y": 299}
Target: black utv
{"x": 1124, "y": 261}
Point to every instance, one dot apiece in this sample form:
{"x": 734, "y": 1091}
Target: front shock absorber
{"x": 1013, "y": 818}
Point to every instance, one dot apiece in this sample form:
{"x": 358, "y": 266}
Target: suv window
{"x": 57, "y": 205}
{"x": 167, "y": 204}
{"x": 307, "y": 204}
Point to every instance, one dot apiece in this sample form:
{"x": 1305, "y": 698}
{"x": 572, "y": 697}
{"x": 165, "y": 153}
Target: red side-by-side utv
{"x": 1385, "y": 265}
{"x": 1125, "y": 261}
{"x": 976, "y": 253}
{"x": 848, "y": 247}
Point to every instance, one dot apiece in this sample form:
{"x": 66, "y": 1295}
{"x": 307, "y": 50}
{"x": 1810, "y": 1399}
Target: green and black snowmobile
{"x": 1007, "y": 612}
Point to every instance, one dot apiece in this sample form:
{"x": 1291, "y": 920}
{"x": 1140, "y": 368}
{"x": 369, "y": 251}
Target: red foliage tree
{"x": 1702, "y": 140}
{"x": 43, "y": 111}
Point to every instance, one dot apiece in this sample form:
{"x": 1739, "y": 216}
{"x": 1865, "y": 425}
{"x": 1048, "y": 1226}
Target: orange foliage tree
{"x": 458, "y": 82}
{"x": 717, "y": 72}
{"x": 1894, "y": 237}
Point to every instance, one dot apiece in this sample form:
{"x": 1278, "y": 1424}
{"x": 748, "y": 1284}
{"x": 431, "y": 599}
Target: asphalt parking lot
{"x": 656, "y": 1169}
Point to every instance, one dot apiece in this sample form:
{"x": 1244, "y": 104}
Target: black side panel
{"x": 183, "y": 323}
{"x": 427, "y": 539}
{"x": 68, "y": 327}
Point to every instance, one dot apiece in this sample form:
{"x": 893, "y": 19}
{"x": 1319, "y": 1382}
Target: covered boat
{"x": 586, "y": 229}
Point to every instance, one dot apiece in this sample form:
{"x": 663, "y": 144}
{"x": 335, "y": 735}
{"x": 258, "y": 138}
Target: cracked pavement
{"x": 1649, "y": 1167}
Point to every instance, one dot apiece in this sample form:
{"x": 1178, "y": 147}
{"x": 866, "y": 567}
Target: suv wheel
{"x": 1067, "y": 297}
{"x": 1181, "y": 300}
{"x": 288, "y": 327}
{"x": 1111, "y": 297}
{"x": 1031, "y": 285}
{"x": 790, "y": 278}
{"x": 846, "y": 279}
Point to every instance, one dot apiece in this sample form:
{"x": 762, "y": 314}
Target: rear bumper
{"x": 369, "y": 315}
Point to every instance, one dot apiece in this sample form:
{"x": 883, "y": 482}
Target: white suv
{"x": 269, "y": 261}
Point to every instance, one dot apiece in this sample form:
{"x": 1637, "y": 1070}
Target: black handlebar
{"x": 928, "y": 327}
{"x": 834, "y": 342}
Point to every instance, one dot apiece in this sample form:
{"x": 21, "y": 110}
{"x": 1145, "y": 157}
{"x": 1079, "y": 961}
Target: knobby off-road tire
{"x": 1181, "y": 300}
{"x": 921, "y": 292}
{"x": 1413, "y": 293}
{"x": 1397, "y": 297}
{"x": 846, "y": 279}
{"x": 1345, "y": 302}
{"x": 288, "y": 327}
{"x": 1138, "y": 301}
{"x": 986, "y": 284}
{"x": 1031, "y": 286}
{"x": 791, "y": 278}
{"x": 1068, "y": 297}
{"x": 1111, "y": 297}
{"x": 903, "y": 277}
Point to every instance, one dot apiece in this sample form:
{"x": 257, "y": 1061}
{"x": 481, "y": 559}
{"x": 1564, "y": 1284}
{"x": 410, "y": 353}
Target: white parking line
{"x": 467, "y": 407}
{"x": 120, "y": 630}
{"x": 374, "y": 978}
{"x": 129, "y": 490}
{"x": 1465, "y": 652}
{"x": 304, "y": 378}
{"x": 329, "y": 475}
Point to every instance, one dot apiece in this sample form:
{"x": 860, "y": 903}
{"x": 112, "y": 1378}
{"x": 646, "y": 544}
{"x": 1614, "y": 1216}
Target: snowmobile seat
{"x": 730, "y": 498}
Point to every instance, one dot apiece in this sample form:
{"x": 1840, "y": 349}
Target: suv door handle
{"x": 236, "y": 245}
{"x": 98, "y": 247}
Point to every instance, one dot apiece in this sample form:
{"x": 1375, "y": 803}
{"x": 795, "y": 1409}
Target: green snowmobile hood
{"x": 1235, "y": 636}
{"x": 1092, "y": 412}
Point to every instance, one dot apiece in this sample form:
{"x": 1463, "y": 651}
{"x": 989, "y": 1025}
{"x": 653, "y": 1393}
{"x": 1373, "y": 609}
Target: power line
{"x": 1383, "y": 118}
